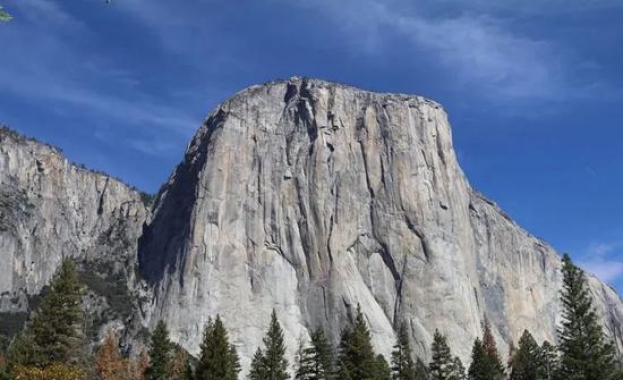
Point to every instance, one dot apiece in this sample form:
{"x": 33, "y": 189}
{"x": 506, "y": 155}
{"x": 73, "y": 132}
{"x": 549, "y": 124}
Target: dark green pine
{"x": 257, "y": 370}
{"x": 315, "y": 362}
{"x": 55, "y": 332}
{"x": 274, "y": 361}
{"x": 218, "y": 358}
{"x": 549, "y": 361}
{"x": 403, "y": 367}
{"x": 524, "y": 365}
{"x": 357, "y": 360}
{"x": 585, "y": 353}
{"x": 441, "y": 366}
{"x": 159, "y": 354}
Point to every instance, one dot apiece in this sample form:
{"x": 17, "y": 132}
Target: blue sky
{"x": 534, "y": 89}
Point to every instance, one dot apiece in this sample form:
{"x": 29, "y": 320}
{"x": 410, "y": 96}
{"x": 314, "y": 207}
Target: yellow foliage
{"x": 55, "y": 371}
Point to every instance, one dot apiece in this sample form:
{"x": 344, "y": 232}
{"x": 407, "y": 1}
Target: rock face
{"x": 300, "y": 195}
{"x": 50, "y": 209}
{"x": 311, "y": 197}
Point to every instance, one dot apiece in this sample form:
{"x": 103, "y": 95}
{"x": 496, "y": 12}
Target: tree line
{"x": 52, "y": 347}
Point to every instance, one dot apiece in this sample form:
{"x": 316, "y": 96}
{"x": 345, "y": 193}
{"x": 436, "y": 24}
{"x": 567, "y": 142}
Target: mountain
{"x": 308, "y": 197}
{"x": 50, "y": 209}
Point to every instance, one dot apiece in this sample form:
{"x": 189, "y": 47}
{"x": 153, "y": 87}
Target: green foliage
{"x": 458, "y": 370}
{"x": 381, "y": 369}
{"x": 270, "y": 363}
{"x": 549, "y": 361}
{"x": 403, "y": 367}
{"x": 218, "y": 359}
{"x": 357, "y": 360}
{"x": 159, "y": 354}
{"x": 257, "y": 370}
{"x": 525, "y": 362}
{"x": 147, "y": 198}
{"x": 11, "y": 324}
{"x": 421, "y": 372}
{"x": 54, "y": 334}
{"x": 316, "y": 361}
{"x": 441, "y": 366}
{"x": 485, "y": 364}
{"x": 585, "y": 354}
{"x": 101, "y": 279}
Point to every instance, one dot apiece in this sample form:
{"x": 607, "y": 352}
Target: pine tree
{"x": 458, "y": 370}
{"x": 302, "y": 362}
{"x": 403, "y": 367}
{"x": 159, "y": 354}
{"x": 549, "y": 362}
{"x": 524, "y": 364}
{"x": 442, "y": 364}
{"x": 486, "y": 363}
{"x": 270, "y": 363}
{"x": 258, "y": 370}
{"x": 357, "y": 360}
{"x": 421, "y": 372}
{"x": 315, "y": 362}
{"x": 585, "y": 354}
{"x": 381, "y": 369}
{"x": 54, "y": 334}
{"x": 218, "y": 359}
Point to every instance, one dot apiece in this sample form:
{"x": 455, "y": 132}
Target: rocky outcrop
{"x": 300, "y": 195}
{"x": 311, "y": 197}
{"x": 50, "y": 209}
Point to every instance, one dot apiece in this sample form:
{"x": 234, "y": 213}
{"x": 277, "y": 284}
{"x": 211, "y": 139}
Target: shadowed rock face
{"x": 312, "y": 197}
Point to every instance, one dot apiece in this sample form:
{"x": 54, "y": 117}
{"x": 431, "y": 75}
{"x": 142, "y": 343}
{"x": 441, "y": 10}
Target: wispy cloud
{"x": 478, "y": 51}
{"x": 604, "y": 260}
{"x": 43, "y": 65}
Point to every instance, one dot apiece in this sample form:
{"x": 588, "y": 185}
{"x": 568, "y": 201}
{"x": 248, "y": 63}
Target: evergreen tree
{"x": 421, "y": 372}
{"x": 458, "y": 370}
{"x": 403, "y": 367}
{"x": 357, "y": 360}
{"x": 54, "y": 335}
{"x": 218, "y": 359}
{"x": 257, "y": 370}
{"x": 381, "y": 369}
{"x": 524, "y": 364}
{"x": 549, "y": 362}
{"x": 485, "y": 364}
{"x": 315, "y": 362}
{"x": 585, "y": 354}
{"x": 159, "y": 354}
{"x": 270, "y": 363}
{"x": 442, "y": 364}
{"x": 302, "y": 363}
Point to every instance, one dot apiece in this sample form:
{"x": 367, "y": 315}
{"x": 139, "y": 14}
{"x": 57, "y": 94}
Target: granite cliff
{"x": 312, "y": 197}
{"x": 304, "y": 196}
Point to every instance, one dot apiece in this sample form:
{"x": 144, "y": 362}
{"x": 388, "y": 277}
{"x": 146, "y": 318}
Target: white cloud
{"x": 476, "y": 51}
{"x": 602, "y": 260}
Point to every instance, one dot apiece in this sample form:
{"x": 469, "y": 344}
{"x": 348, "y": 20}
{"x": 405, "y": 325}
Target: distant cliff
{"x": 50, "y": 209}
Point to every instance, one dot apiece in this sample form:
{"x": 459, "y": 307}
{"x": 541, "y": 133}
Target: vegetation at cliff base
{"x": 53, "y": 347}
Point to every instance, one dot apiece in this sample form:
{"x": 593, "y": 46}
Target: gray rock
{"x": 50, "y": 209}
{"x": 312, "y": 197}
{"x": 300, "y": 195}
